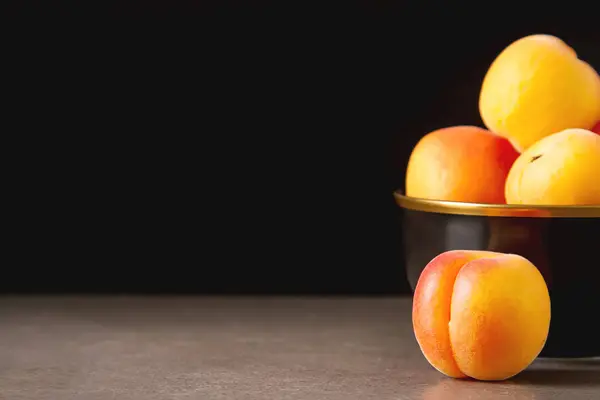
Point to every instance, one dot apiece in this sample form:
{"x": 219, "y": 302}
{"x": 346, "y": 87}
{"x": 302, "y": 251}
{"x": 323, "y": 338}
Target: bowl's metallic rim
{"x": 495, "y": 210}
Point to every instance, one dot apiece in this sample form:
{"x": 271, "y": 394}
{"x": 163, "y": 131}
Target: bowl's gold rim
{"x": 495, "y": 210}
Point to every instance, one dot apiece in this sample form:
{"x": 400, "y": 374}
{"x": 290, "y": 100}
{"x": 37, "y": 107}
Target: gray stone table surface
{"x": 244, "y": 348}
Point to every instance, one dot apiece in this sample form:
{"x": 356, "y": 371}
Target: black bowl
{"x": 563, "y": 242}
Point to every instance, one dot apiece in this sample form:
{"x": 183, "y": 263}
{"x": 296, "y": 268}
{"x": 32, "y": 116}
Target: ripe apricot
{"x": 460, "y": 163}
{"x": 560, "y": 169}
{"x": 481, "y": 314}
{"x": 537, "y": 86}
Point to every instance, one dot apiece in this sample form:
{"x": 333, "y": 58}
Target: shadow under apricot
{"x": 461, "y": 389}
{"x": 537, "y": 381}
{"x": 586, "y": 374}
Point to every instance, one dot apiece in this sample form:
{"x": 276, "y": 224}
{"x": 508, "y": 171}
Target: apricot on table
{"x": 460, "y": 163}
{"x": 537, "y": 86}
{"x": 560, "y": 169}
{"x": 481, "y": 314}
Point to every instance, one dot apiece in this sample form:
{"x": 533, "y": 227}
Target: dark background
{"x": 184, "y": 147}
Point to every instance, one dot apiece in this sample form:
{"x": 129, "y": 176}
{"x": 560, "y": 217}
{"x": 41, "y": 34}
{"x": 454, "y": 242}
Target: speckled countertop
{"x": 92, "y": 348}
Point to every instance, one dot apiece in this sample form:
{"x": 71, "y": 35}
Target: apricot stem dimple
{"x": 535, "y": 158}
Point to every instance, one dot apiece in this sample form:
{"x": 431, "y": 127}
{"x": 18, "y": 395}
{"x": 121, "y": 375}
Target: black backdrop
{"x": 185, "y": 147}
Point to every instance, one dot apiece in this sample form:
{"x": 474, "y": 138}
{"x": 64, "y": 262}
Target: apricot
{"x": 560, "y": 169}
{"x": 596, "y": 129}
{"x": 481, "y": 314}
{"x": 537, "y": 86}
{"x": 460, "y": 163}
